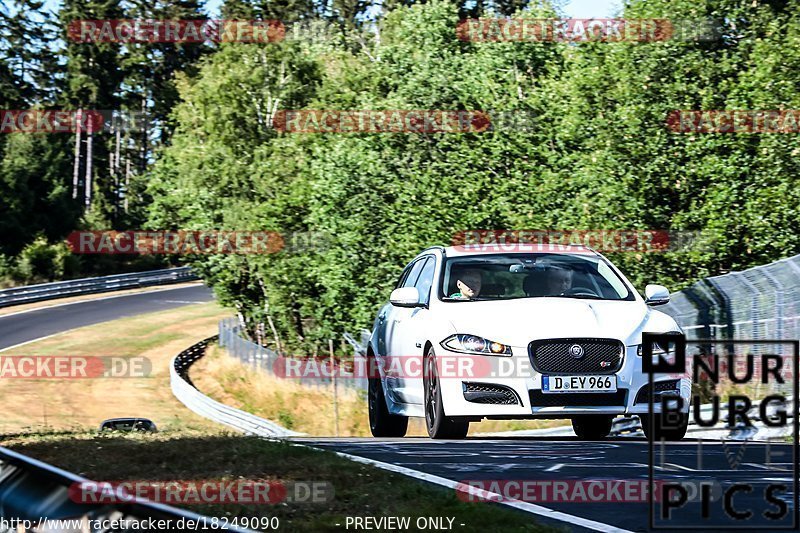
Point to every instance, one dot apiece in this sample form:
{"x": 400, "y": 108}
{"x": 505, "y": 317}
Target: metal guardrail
{"x": 196, "y": 401}
{"x": 38, "y": 492}
{"x": 76, "y": 287}
{"x": 360, "y": 346}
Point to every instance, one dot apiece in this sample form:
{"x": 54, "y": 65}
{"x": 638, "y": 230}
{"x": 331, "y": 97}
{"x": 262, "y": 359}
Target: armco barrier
{"x": 185, "y": 391}
{"x": 77, "y": 287}
{"x": 36, "y": 491}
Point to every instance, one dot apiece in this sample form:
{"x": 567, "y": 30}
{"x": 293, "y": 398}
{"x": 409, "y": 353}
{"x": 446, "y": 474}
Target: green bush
{"x": 41, "y": 261}
{"x": 6, "y": 271}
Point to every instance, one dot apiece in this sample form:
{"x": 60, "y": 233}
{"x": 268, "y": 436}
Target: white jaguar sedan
{"x": 534, "y": 332}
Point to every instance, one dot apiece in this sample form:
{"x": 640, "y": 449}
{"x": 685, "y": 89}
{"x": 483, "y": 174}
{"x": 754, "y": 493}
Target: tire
{"x": 438, "y": 425}
{"x": 382, "y": 423}
{"x": 592, "y": 427}
{"x": 656, "y": 432}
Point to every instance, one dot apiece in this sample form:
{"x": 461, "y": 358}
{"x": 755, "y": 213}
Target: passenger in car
{"x": 559, "y": 280}
{"x": 469, "y": 284}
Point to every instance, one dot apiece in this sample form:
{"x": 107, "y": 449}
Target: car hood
{"x": 519, "y": 321}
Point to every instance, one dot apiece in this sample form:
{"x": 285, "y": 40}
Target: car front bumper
{"x": 517, "y": 393}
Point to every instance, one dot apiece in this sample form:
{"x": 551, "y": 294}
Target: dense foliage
{"x": 597, "y": 156}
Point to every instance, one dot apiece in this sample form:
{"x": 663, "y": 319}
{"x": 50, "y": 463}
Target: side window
{"x": 403, "y": 277}
{"x": 611, "y": 279}
{"x": 413, "y": 275}
{"x": 426, "y": 281}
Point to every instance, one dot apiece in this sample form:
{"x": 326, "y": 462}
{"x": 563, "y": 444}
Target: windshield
{"x": 508, "y": 276}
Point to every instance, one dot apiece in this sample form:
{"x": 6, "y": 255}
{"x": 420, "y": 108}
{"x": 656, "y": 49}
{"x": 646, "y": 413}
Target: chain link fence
{"x": 316, "y": 372}
{"x": 758, "y": 303}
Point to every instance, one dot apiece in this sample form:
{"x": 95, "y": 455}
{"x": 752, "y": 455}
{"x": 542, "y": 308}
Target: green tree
{"x": 591, "y": 150}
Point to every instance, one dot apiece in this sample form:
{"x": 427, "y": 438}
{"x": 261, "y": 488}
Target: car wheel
{"x": 656, "y": 431}
{"x": 382, "y": 423}
{"x": 439, "y": 426}
{"x": 592, "y": 427}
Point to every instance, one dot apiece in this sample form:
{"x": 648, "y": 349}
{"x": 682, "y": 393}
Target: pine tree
{"x": 287, "y": 11}
{"x": 93, "y": 81}
{"x": 150, "y": 92}
{"x": 27, "y": 34}
{"x": 151, "y": 67}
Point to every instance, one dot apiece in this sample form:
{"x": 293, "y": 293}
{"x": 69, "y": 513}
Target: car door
{"x": 408, "y": 337}
{"x": 384, "y": 316}
{"x": 388, "y": 320}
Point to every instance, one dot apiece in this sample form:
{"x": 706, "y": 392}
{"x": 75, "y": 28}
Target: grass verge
{"x": 31, "y": 405}
{"x": 197, "y": 454}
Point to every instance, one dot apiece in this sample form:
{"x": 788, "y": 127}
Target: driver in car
{"x": 558, "y": 281}
{"x": 469, "y": 285}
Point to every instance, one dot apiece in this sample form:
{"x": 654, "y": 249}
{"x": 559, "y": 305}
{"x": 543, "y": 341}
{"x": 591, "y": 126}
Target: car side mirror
{"x": 405, "y": 297}
{"x": 656, "y": 295}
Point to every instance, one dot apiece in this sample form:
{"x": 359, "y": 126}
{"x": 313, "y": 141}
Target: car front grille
{"x": 643, "y": 396}
{"x": 489, "y": 393}
{"x": 579, "y": 399}
{"x": 599, "y": 356}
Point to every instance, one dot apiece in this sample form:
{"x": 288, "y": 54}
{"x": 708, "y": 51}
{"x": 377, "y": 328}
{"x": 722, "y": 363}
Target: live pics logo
{"x": 742, "y": 452}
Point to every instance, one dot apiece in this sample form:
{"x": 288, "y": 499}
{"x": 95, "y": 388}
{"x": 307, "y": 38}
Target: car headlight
{"x": 473, "y": 344}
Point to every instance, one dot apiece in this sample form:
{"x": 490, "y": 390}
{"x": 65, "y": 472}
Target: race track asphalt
{"x": 18, "y": 328}
{"x": 543, "y": 459}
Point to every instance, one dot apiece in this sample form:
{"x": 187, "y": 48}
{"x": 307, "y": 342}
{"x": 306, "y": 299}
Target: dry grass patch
{"x": 307, "y": 409}
{"x": 70, "y": 404}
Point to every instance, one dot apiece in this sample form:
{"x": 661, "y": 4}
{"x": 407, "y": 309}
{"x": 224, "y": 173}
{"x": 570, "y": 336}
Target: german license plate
{"x": 583, "y": 383}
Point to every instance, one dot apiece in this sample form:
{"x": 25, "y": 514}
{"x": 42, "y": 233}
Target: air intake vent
{"x": 489, "y": 393}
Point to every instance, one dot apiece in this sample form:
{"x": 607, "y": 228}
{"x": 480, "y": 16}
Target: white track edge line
{"x": 37, "y": 339}
{"x": 449, "y": 483}
{"x": 416, "y": 474}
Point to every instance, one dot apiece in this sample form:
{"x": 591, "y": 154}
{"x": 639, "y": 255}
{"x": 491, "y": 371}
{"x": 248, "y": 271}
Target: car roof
{"x": 483, "y": 249}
